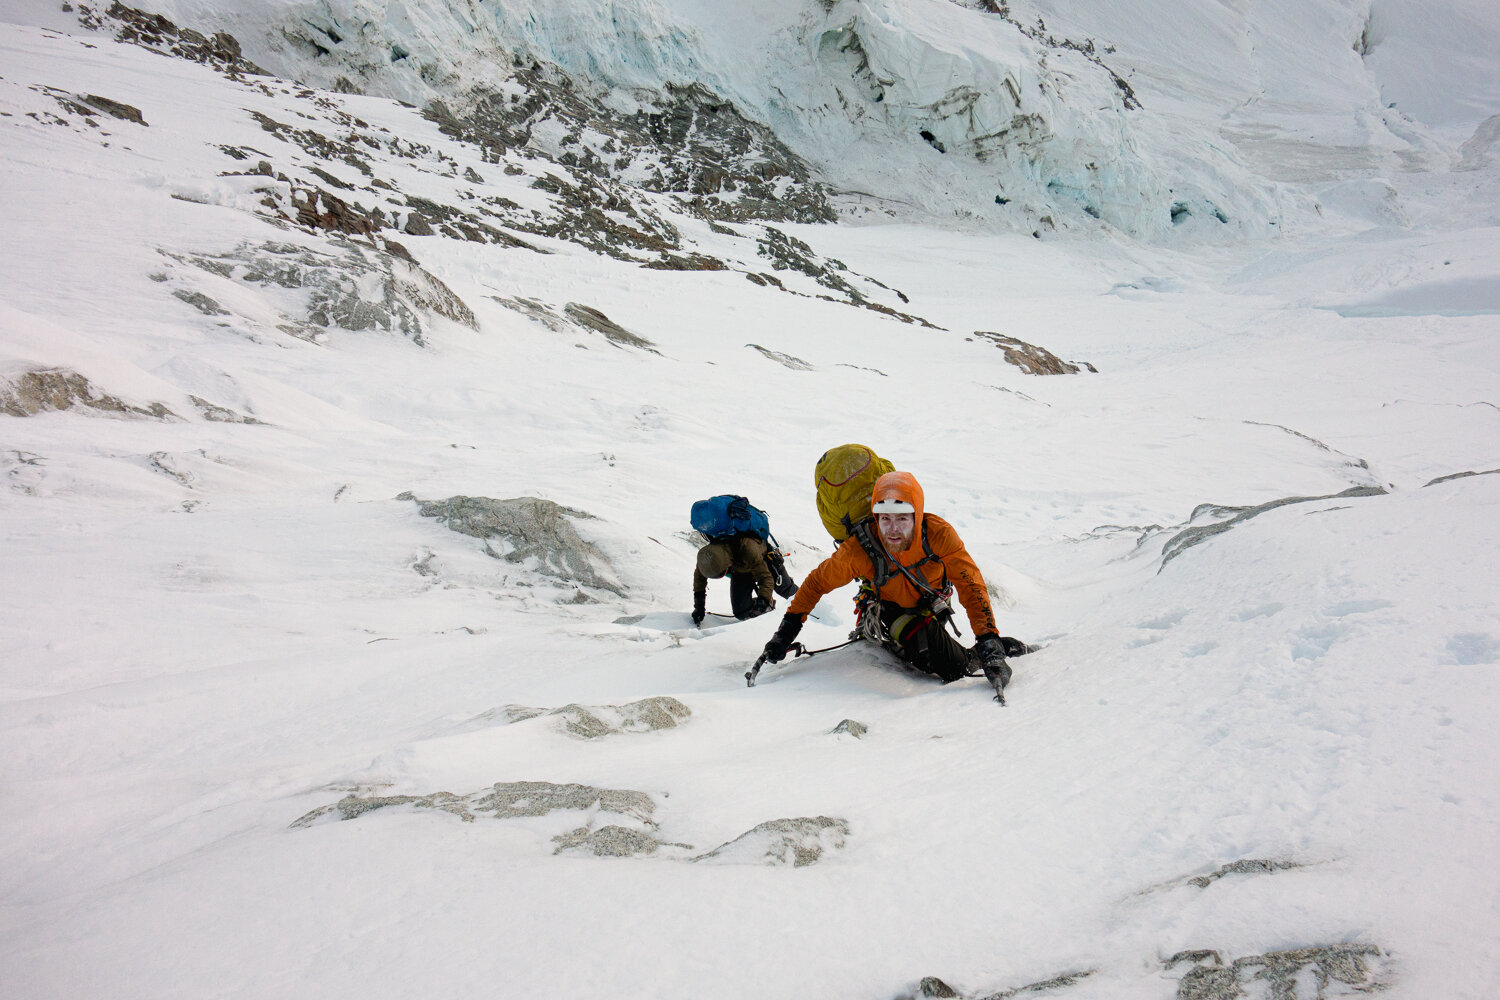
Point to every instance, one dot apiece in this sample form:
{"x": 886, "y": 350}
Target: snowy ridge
{"x": 347, "y": 450}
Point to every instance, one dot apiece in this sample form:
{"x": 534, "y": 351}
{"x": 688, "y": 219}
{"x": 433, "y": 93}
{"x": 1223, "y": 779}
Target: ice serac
{"x": 942, "y": 108}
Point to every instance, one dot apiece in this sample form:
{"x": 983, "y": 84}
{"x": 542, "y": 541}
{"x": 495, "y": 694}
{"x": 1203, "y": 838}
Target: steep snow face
{"x": 346, "y": 455}
{"x": 1462, "y": 87}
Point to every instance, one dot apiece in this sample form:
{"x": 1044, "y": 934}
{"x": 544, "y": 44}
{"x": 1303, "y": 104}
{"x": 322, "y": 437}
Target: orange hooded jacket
{"x": 850, "y": 562}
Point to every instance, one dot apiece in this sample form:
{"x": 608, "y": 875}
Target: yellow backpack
{"x": 845, "y": 478}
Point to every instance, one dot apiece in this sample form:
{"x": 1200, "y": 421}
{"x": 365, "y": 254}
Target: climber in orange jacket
{"x": 912, "y": 562}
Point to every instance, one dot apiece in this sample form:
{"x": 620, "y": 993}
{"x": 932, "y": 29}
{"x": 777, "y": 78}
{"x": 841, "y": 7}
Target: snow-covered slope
{"x": 348, "y": 447}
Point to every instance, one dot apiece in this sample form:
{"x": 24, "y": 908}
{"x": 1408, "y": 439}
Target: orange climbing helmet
{"x": 897, "y": 493}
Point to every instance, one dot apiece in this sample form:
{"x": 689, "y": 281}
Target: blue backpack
{"x": 728, "y": 516}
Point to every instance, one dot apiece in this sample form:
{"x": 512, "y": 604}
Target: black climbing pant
{"x": 924, "y": 642}
{"x": 741, "y": 593}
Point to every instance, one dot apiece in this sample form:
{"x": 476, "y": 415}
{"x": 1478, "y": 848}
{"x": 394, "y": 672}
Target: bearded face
{"x": 896, "y": 530}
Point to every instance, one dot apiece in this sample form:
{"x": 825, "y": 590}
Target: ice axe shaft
{"x": 796, "y": 649}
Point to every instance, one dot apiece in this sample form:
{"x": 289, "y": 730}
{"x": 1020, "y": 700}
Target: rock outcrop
{"x": 349, "y": 285}
{"x": 38, "y": 390}
{"x": 526, "y": 530}
{"x": 1030, "y": 358}
{"x": 795, "y": 842}
{"x": 592, "y": 722}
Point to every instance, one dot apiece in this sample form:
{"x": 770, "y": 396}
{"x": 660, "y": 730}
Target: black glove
{"x": 698, "y": 611}
{"x": 990, "y": 649}
{"x": 781, "y": 642}
{"x": 758, "y": 606}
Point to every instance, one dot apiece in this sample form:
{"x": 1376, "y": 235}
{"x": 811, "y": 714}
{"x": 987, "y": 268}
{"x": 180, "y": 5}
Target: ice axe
{"x": 796, "y": 648}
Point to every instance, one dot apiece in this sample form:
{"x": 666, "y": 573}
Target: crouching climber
{"x": 910, "y": 563}
{"x": 741, "y": 546}
{"x": 752, "y": 583}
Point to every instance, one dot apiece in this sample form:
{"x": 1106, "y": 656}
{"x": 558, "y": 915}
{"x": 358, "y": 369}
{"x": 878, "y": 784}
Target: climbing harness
{"x": 936, "y": 602}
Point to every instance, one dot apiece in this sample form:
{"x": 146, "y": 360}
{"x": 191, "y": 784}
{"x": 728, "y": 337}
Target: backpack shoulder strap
{"x": 863, "y": 532}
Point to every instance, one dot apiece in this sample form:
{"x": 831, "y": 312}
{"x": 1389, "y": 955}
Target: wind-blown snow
{"x": 268, "y": 729}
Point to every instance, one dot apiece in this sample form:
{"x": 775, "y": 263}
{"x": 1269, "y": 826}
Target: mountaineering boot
{"x": 781, "y": 580}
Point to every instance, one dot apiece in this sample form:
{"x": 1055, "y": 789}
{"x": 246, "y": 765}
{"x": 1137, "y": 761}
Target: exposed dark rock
{"x": 1461, "y": 475}
{"x": 1298, "y": 974}
{"x": 1353, "y": 463}
{"x": 688, "y": 262}
{"x": 538, "y": 798}
{"x": 220, "y": 414}
{"x": 89, "y": 105}
{"x": 1031, "y": 359}
{"x": 789, "y": 253}
{"x": 616, "y": 180}
{"x": 612, "y": 842}
{"x": 1047, "y": 985}
{"x": 592, "y": 722}
{"x": 786, "y": 360}
{"x": 153, "y": 31}
{"x": 358, "y": 287}
{"x": 115, "y": 109}
{"x": 200, "y": 302}
{"x": 796, "y": 842}
{"x": 593, "y": 319}
{"x": 526, "y": 528}
{"x": 539, "y": 311}
{"x": 28, "y": 393}
{"x": 317, "y": 209}
{"x": 575, "y": 317}
{"x": 503, "y": 800}
{"x": 592, "y": 212}
{"x": 933, "y": 987}
{"x": 431, "y": 218}
{"x": 1190, "y": 536}
{"x": 1246, "y": 866}
{"x": 319, "y": 146}
{"x": 399, "y": 250}
{"x": 328, "y": 178}
{"x": 684, "y": 142}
